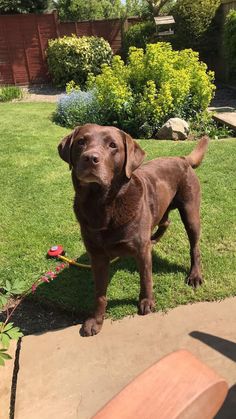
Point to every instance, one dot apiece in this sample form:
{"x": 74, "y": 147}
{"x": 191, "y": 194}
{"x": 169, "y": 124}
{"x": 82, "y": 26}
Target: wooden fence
{"x": 220, "y": 65}
{"x": 227, "y": 5}
{"x": 24, "y": 39}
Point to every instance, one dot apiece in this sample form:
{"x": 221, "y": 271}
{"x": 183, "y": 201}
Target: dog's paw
{"x": 194, "y": 280}
{"x": 91, "y": 326}
{"x": 146, "y": 306}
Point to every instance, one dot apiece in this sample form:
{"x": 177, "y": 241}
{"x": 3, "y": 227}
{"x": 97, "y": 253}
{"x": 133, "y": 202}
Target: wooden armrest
{"x": 178, "y": 386}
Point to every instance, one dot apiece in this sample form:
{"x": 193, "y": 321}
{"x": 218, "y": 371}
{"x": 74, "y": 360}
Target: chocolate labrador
{"x": 118, "y": 203}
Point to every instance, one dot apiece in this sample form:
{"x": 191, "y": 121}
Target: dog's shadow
{"x": 74, "y": 287}
{"x": 69, "y": 298}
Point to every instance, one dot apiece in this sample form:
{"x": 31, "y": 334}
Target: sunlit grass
{"x": 36, "y": 212}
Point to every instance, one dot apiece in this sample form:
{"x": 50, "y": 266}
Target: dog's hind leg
{"x": 190, "y": 215}
{"x": 162, "y": 227}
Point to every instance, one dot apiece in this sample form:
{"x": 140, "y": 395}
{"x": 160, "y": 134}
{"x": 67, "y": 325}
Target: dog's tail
{"x": 196, "y": 156}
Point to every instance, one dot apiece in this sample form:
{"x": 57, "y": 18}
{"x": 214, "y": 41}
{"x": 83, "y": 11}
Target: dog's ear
{"x": 64, "y": 147}
{"x": 134, "y": 155}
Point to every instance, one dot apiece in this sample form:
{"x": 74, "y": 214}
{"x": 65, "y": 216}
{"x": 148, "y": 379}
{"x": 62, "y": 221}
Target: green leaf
{"x": 2, "y": 363}
{"x": 15, "y": 333}
{"x": 8, "y": 285}
{"x": 3, "y": 300}
{"x": 5, "y": 356}
{"x": 5, "y": 339}
{"x": 7, "y": 327}
{"x": 18, "y": 287}
{"x": 16, "y": 291}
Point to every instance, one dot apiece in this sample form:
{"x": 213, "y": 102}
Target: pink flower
{"x": 44, "y": 279}
{"x": 58, "y": 268}
{"x": 50, "y": 273}
{"x": 33, "y": 288}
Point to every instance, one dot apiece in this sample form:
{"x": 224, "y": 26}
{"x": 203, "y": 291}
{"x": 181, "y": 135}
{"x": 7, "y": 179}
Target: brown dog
{"x": 118, "y": 204}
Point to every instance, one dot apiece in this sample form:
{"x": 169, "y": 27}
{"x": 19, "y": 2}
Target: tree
{"x": 194, "y": 20}
{"x": 157, "y": 6}
{"x": 23, "y": 6}
{"x": 89, "y": 10}
{"x": 137, "y": 8}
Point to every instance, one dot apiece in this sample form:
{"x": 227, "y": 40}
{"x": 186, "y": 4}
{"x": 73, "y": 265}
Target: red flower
{"x": 33, "y": 288}
{"x": 50, "y": 273}
{"x": 44, "y": 279}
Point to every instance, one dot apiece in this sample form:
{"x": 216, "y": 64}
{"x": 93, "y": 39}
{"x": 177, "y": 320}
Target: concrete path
{"x": 224, "y": 107}
{"x": 226, "y": 116}
{"x": 44, "y": 93}
{"x": 65, "y": 376}
{"x": 6, "y": 375}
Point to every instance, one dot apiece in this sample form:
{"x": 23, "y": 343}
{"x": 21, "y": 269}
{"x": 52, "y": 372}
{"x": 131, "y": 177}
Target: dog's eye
{"x": 112, "y": 144}
{"x": 81, "y": 142}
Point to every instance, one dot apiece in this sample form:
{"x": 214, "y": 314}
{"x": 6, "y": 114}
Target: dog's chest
{"x": 113, "y": 242}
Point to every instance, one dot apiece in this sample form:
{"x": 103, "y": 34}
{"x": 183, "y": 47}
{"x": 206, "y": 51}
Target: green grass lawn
{"x": 36, "y": 212}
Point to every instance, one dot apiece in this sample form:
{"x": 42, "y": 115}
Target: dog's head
{"x": 97, "y": 154}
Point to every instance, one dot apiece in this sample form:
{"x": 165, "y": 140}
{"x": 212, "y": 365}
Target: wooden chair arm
{"x": 178, "y": 386}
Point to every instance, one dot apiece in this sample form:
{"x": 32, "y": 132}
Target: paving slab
{"x": 65, "y": 376}
{"x": 6, "y": 374}
{"x": 226, "y": 116}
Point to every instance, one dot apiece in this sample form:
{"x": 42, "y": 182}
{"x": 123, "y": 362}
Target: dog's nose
{"x": 93, "y": 158}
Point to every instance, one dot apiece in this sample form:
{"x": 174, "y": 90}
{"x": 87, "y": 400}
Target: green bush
{"x": 72, "y": 58}
{"x": 203, "y": 123}
{"x": 154, "y": 86}
{"x": 8, "y": 93}
{"x": 230, "y": 44}
{"x": 138, "y": 35}
{"x": 193, "y": 24}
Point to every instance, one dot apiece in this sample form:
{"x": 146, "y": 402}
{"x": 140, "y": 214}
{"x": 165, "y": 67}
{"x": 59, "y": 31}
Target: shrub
{"x": 195, "y": 25}
{"x": 151, "y": 88}
{"x": 72, "y": 58}
{"x": 8, "y": 93}
{"x": 141, "y": 95}
{"x": 77, "y": 108}
{"x": 138, "y": 35}
{"x": 230, "y": 43}
{"x": 71, "y": 86}
{"x": 203, "y": 123}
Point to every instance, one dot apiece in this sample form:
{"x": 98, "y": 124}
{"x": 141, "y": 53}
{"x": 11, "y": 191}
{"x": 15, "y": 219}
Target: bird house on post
{"x": 166, "y": 21}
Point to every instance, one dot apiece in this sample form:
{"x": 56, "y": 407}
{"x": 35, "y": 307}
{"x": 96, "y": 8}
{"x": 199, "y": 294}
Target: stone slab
{"x": 226, "y": 118}
{"x": 6, "y": 374}
{"x": 65, "y": 376}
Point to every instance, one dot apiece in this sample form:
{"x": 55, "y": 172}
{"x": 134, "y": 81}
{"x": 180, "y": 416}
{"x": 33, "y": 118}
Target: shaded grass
{"x": 36, "y": 212}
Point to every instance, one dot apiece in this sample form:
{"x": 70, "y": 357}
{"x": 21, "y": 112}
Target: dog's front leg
{"x": 100, "y": 268}
{"x": 146, "y": 299}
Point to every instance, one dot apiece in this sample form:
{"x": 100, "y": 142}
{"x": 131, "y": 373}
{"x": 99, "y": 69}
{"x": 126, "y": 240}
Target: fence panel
{"x": 108, "y": 29}
{"x": 24, "y": 39}
{"x": 227, "y": 5}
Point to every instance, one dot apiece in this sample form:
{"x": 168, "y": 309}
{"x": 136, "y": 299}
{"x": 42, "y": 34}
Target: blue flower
{"x": 78, "y": 107}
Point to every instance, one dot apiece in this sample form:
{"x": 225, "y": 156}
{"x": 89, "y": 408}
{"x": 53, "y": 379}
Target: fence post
{"x": 56, "y": 22}
{"x": 25, "y": 52}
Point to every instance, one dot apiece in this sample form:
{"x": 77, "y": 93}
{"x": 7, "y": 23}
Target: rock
{"x": 174, "y": 129}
